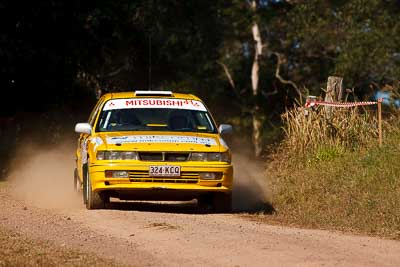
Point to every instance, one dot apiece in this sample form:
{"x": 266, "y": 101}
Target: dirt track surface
{"x": 148, "y": 234}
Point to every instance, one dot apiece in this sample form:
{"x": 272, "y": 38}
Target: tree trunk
{"x": 334, "y": 91}
{"x": 257, "y": 117}
{"x": 257, "y": 53}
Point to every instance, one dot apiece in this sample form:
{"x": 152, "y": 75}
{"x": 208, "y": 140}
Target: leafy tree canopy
{"x": 51, "y": 50}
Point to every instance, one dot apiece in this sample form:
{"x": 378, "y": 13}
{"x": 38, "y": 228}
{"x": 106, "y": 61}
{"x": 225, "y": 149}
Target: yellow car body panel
{"x": 189, "y": 183}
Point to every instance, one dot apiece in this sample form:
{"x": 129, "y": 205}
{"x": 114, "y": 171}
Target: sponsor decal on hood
{"x": 126, "y": 103}
{"x": 161, "y": 139}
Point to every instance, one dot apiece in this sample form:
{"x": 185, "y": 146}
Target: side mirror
{"x": 225, "y": 129}
{"x": 84, "y": 127}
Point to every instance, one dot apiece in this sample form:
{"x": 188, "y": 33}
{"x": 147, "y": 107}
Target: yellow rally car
{"x": 153, "y": 145}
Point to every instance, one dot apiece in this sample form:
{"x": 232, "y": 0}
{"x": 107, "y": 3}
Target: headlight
{"x": 210, "y": 156}
{"x": 214, "y": 156}
{"x": 198, "y": 156}
{"x": 226, "y": 157}
{"x": 116, "y": 155}
{"x": 116, "y": 174}
{"x": 210, "y": 175}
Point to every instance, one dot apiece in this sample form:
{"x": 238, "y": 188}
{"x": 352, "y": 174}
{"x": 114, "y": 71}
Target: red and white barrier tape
{"x": 339, "y": 104}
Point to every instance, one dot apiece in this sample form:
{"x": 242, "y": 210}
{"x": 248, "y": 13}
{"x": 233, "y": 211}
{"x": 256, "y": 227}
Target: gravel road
{"x": 174, "y": 234}
{"x": 38, "y": 204}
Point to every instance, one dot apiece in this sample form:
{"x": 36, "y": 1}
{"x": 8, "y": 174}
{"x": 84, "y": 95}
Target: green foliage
{"x": 355, "y": 39}
{"x": 45, "y": 46}
{"x": 327, "y": 154}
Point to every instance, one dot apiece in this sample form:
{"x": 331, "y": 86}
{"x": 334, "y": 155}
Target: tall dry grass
{"x": 330, "y": 173}
{"x": 307, "y": 130}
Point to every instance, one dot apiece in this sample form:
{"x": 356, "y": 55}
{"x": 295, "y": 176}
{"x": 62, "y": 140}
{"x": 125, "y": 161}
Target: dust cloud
{"x": 251, "y": 190}
{"x": 43, "y": 176}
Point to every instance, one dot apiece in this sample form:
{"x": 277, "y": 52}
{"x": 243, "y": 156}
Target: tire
{"x": 77, "y": 182}
{"x": 222, "y": 202}
{"x": 84, "y": 186}
{"x": 92, "y": 200}
{"x": 205, "y": 202}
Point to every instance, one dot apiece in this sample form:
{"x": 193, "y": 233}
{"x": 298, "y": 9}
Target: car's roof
{"x": 149, "y": 94}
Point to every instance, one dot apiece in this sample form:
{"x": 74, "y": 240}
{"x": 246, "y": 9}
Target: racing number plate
{"x": 165, "y": 170}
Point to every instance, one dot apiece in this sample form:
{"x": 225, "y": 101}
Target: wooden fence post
{"x": 380, "y": 121}
{"x": 334, "y": 91}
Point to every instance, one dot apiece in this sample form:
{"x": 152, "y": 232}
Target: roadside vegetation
{"x": 330, "y": 172}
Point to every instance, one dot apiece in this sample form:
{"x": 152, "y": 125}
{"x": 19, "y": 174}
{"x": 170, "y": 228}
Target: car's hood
{"x": 159, "y": 141}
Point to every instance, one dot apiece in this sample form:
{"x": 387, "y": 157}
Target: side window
{"x": 95, "y": 111}
{"x": 203, "y": 121}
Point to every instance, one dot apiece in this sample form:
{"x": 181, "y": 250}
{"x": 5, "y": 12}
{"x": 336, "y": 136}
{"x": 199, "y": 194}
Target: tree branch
{"x": 125, "y": 66}
{"x": 281, "y": 79}
{"x": 232, "y": 83}
{"x": 227, "y": 74}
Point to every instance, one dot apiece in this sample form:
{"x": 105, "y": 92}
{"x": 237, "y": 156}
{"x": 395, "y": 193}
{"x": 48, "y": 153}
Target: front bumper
{"x": 139, "y": 179}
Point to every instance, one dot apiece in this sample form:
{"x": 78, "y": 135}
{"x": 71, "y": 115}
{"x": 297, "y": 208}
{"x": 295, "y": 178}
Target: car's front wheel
{"x": 222, "y": 202}
{"x": 216, "y": 202}
{"x": 92, "y": 200}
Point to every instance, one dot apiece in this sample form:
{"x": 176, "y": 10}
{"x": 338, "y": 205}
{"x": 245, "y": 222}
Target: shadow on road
{"x": 189, "y": 207}
{"x": 180, "y": 207}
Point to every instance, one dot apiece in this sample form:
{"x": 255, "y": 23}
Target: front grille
{"x": 151, "y": 156}
{"x": 144, "y": 177}
{"x": 176, "y": 156}
{"x": 163, "y": 156}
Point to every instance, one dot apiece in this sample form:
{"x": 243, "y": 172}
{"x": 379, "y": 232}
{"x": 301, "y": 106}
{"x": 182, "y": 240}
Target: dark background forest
{"x": 58, "y": 56}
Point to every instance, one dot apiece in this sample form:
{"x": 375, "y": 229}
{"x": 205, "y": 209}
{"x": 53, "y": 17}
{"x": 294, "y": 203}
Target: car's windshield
{"x": 154, "y": 119}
